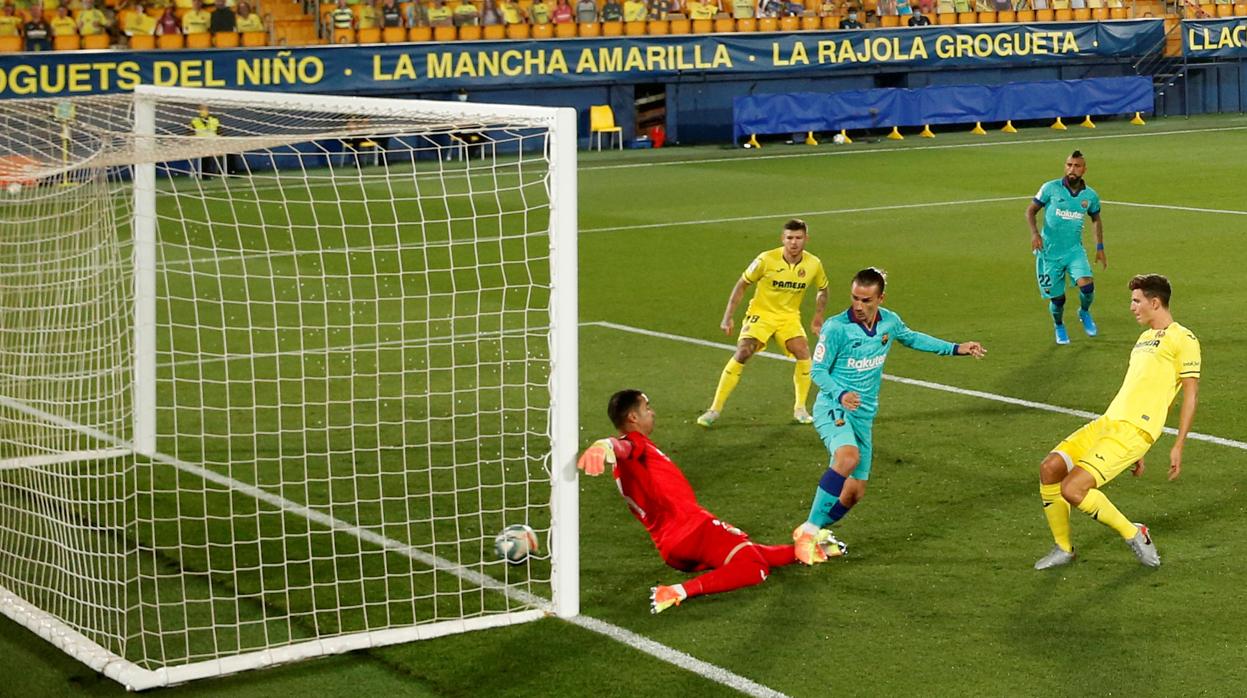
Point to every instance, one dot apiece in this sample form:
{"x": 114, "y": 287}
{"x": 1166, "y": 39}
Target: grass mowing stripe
{"x": 653, "y": 648}
{"x": 1220, "y": 441}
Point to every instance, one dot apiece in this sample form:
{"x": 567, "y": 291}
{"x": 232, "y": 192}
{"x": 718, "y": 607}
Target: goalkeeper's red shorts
{"x": 709, "y": 546}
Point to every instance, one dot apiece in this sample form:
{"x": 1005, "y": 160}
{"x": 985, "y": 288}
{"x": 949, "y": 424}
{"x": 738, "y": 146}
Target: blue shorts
{"x": 1052, "y": 268}
{"x": 837, "y": 428}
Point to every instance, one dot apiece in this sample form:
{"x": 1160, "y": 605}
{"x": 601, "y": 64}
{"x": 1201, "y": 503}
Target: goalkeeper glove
{"x": 595, "y": 458}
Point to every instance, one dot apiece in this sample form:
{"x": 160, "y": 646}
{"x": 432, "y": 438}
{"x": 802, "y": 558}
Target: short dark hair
{"x": 1152, "y": 286}
{"x": 871, "y": 276}
{"x": 622, "y": 403}
{"x": 1077, "y": 154}
{"x": 796, "y": 224}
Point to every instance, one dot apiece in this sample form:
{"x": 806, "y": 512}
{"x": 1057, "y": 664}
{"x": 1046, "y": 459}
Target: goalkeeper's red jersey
{"x": 658, "y": 493}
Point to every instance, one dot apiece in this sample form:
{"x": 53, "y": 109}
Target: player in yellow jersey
{"x": 1165, "y": 358}
{"x": 782, "y": 276}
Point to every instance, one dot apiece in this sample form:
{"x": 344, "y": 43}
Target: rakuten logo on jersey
{"x": 1069, "y": 215}
{"x": 865, "y": 364}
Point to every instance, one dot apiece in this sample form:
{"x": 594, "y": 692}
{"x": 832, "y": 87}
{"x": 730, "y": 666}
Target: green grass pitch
{"x": 938, "y": 596}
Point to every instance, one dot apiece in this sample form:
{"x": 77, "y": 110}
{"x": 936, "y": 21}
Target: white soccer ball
{"x": 14, "y": 188}
{"x": 515, "y": 543}
{"x": 838, "y": 139}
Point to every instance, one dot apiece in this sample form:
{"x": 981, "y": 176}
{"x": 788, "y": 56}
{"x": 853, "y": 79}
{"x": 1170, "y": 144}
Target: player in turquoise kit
{"x": 848, "y": 370}
{"x": 1058, "y": 250}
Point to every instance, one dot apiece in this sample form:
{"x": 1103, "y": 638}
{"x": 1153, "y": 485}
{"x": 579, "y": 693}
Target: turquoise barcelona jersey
{"x": 1063, "y": 214}
{"x": 849, "y": 358}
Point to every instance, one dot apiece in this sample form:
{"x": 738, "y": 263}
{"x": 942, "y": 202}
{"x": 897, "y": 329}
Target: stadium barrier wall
{"x": 957, "y": 104}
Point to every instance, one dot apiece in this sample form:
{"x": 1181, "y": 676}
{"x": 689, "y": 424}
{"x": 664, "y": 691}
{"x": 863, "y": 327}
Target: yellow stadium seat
{"x": 890, "y": 21}
{"x": 1099, "y": 13}
{"x": 1208, "y": 9}
{"x": 1118, "y": 13}
{"x": 747, "y": 24}
{"x": 722, "y": 25}
{"x": 343, "y": 36}
{"x": 142, "y": 42}
{"x": 680, "y": 26}
{"x": 565, "y": 30}
{"x": 170, "y": 41}
{"x": 543, "y": 31}
{"x": 789, "y": 24}
{"x": 255, "y": 39}
{"x": 519, "y": 31}
{"x": 612, "y": 28}
{"x": 768, "y": 24}
{"x": 602, "y": 120}
{"x": 809, "y": 22}
{"x": 10, "y": 44}
{"x": 369, "y": 36}
{"x": 967, "y": 17}
{"x": 1082, "y": 14}
{"x": 987, "y": 17}
{"x": 226, "y": 40}
{"x": 589, "y": 29}
{"x": 1026, "y": 15}
{"x": 494, "y": 32}
{"x": 634, "y": 28}
{"x": 1225, "y": 10}
{"x": 1240, "y": 9}
{"x": 445, "y": 33}
{"x": 946, "y": 18}
{"x": 95, "y": 41}
{"x": 831, "y": 22}
{"x": 66, "y": 43}
{"x": 1045, "y": 15}
{"x": 393, "y": 35}
{"x": 200, "y": 40}
{"x": 1006, "y": 16}
{"x": 658, "y": 27}
{"x": 468, "y": 32}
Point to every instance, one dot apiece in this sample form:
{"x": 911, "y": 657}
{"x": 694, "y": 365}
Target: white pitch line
{"x": 842, "y": 151}
{"x": 1190, "y": 209}
{"x": 655, "y": 649}
{"x": 1220, "y": 441}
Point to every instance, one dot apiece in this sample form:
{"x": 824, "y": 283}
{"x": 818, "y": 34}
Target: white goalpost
{"x": 269, "y": 393}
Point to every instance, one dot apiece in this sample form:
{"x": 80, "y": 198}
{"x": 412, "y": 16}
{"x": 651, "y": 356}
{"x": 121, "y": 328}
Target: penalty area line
{"x": 1218, "y": 440}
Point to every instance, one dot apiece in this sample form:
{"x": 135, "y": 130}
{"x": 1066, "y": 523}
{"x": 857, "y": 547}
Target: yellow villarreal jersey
{"x": 1158, "y": 363}
{"x": 781, "y": 286}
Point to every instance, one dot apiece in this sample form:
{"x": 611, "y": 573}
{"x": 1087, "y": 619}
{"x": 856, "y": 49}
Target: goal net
{"x": 274, "y": 371}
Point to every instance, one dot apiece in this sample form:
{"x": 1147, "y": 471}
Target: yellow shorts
{"x": 764, "y": 327}
{"x": 1104, "y": 448}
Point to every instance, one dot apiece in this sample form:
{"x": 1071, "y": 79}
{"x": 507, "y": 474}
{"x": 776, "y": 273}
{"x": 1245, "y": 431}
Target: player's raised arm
{"x": 738, "y": 294}
{"x": 602, "y": 453}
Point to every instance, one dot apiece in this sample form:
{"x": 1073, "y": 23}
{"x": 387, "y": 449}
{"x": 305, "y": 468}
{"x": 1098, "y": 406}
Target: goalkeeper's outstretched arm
{"x": 602, "y": 453}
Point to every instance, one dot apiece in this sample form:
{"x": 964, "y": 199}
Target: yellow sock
{"x": 1056, "y": 509}
{"x": 1102, "y": 510}
{"x": 801, "y": 382}
{"x": 727, "y": 383}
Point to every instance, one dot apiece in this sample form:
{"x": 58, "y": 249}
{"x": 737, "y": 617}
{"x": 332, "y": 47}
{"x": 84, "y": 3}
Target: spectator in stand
{"x": 197, "y": 19}
{"x": 466, "y": 14}
{"x": 391, "y": 14}
{"x": 919, "y": 19}
{"x": 886, "y": 8}
{"x": 928, "y": 7}
{"x": 38, "y": 33}
{"x": 139, "y": 23}
{"x": 563, "y": 13}
{"x": 366, "y": 16}
{"x": 702, "y": 9}
{"x": 62, "y": 24}
{"x": 587, "y": 12}
{"x": 10, "y": 21}
{"x": 511, "y": 12}
{"x": 612, "y": 11}
{"x": 222, "y": 20}
{"x": 90, "y": 20}
{"x": 743, "y": 9}
{"x": 851, "y": 22}
{"x": 247, "y": 21}
{"x": 539, "y": 12}
{"x": 439, "y": 14}
{"x": 168, "y": 23}
{"x": 634, "y": 11}
{"x": 657, "y": 9}
{"x": 490, "y": 15}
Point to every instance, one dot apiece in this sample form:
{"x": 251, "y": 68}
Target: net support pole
{"x": 565, "y": 372}
{"x": 145, "y": 277}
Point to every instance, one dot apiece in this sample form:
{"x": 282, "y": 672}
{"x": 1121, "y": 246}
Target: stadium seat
{"x": 1082, "y": 14}
{"x": 1208, "y": 9}
{"x": 831, "y": 22}
{"x": 372, "y": 35}
{"x": 658, "y": 27}
{"x": 343, "y": 36}
{"x": 1225, "y": 10}
{"x": 1118, "y": 13}
{"x": 519, "y": 31}
{"x": 1045, "y": 15}
{"x": 723, "y": 25}
{"x": 589, "y": 29}
{"x": 789, "y": 24}
{"x": 200, "y": 40}
{"x": 634, "y": 28}
{"x": 1064, "y": 15}
{"x": 967, "y": 17}
{"x": 96, "y": 42}
{"x": 142, "y": 42}
{"x": 10, "y": 44}
{"x": 680, "y": 25}
{"x": 768, "y": 24}
{"x": 66, "y": 43}
{"x": 890, "y": 21}
{"x": 612, "y": 28}
{"x": 986, "y": 17}
{"x": 168, "y": 42}
{"x": 1025, "y": 15}
{"x": 1007, "y": 16}
{"x": 1240, "y": 9}
{"x": 809, "y": 22}
{"x": 494, "y": 32}
{"x": 749, "y": 24}
{"x": 251, "y": 39}
{"x": 543, "y": 31}
{"x": 602, "y": 120}
{"x": 1099, "y": 13}
{"x": 226, "y": 40}
{"x": 393, "y": 35}
{"x": 445, "y": 33}
{"x": 468, "y": 32}
{"x": 564, "y": 30}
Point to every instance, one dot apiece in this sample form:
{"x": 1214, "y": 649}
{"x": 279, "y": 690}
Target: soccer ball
{"x": 838, "y": 139}
{"x": 14, "y": 188}
{"x": 515, "y": 543}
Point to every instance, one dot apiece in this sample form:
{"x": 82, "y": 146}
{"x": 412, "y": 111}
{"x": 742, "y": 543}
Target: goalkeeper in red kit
{"x": 688, "y": 537}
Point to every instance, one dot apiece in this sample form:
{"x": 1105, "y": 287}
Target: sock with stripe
{"x": 801, "y": 382}
{"x": 1086, "y": 294}
{"x": 1102, "y": 510}
{"x": 1056, "y": 306}
{"x": 727, "y": 383}
{"x": 1056, "y": 510}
